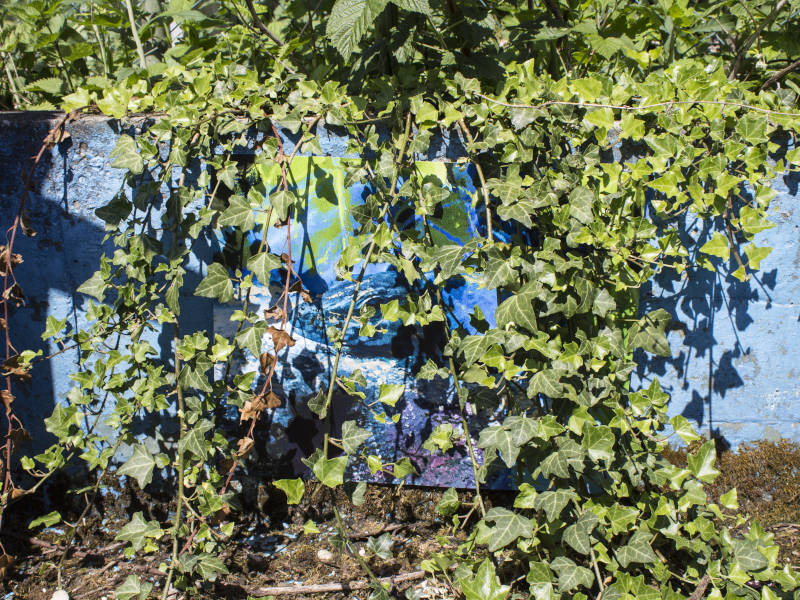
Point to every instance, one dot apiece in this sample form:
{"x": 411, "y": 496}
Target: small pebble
{"x": 60, "y": 595}
{"x": 325, "y": 556}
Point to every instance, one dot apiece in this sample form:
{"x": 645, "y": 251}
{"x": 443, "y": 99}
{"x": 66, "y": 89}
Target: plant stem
{"x": 180, "y": 467}
{"x": 135, "y": 32}
{"x": 484, "y": 190}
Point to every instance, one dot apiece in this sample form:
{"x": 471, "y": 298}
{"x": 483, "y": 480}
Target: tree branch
{"x": 260, "y": 24}
{"x": 778, "y": 75}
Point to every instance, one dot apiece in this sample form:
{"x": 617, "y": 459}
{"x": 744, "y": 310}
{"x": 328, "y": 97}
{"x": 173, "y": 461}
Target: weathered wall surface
{"x": 735, "y": 368}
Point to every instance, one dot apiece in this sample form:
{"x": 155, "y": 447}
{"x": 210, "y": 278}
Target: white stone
{"x": 60, "y": 595}
{"x": 325, "y": 556}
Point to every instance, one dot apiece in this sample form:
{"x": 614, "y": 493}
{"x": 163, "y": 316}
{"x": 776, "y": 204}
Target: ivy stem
{"x": 484, "y": 190}
{"x": 180, "y": 467}
{"x": 457, "y": 384}
{"x": 354, "y": 299}
{"x": 597, "y": 572}
{"x": 135, "y": 32}
{"x": 351, "y": 549}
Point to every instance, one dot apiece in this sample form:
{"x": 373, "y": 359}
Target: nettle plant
{"x": 587, "y": 165}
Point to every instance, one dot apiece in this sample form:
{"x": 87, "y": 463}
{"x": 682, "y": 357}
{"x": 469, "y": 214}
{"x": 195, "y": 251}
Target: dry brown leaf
{"x": 6, "y": 397}
{"x": 252, "y": 408}
{"x": 280, "y": 338}
{"x": 25, "y": 223}
{"x": 6, "y": 562}
{"x": 20, "y": 436}
{"x": 3, "y": 324}
{"x": 245, "y": 445}
{"x": 297, "y": 287}
{"x": 7, "y": 260}
{"x": 14, "y": 293}
{"x": 18, "y": 493}
{"x": 273, "y": 314}
{"x": 266, "y": 361}
{"x": 12, "y": 367}
{"x": 273, "y": 400}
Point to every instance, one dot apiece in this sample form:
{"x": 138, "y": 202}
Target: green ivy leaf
{"x": 126, "y": 155}
{"x": 701, "y": 464}
{"x": 353, "y": 436}
{"x": 485, "y": 585}
{"x": 381, "y": 546}
{"x": 209, "y": 567}
{"x": 578, "y": 535}
{"x": 390, "y": 393}
{"x": 293, "y": 488}
{"x": 598, "y": 440}
{"x": 508, "y": 526}
{"x": 250, "y": 338}
{"x": 570, "y": 575}
{"x": 95, "y": 286}
{"x": 238, "y": 214}
{"x": 717, "y": 246}
{"x": 748, "y": 556}
{"x": 139, "y": 466}
{"x": 637, "y": 550}
{"x": 330, "y": 471}
{"x": 449, "y": 503}
{"x": 216, "y": 284}
{"x": 553, "y": 502}
{"x": 138, "y": 530}
{"x": 48, "y": 520}
{"x": 133, "y": 588}
{"x": 262, "y": 265}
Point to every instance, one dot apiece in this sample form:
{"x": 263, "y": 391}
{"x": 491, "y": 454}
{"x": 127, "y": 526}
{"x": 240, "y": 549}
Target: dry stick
{"x": 780, "y": 74}
{"x": 260, "y": 24}
{"x": 485, "y": 192}
{"x": 327, "y": 588}
{"x": 136, "y": 40}
{"x": 701, "y": 588}
{"x": 668, "y": 104}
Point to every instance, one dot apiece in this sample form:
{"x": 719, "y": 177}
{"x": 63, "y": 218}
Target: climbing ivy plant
{"x": 594, "y": 131}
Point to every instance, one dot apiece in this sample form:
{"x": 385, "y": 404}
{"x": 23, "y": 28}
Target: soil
{"x": 269, "y": 547}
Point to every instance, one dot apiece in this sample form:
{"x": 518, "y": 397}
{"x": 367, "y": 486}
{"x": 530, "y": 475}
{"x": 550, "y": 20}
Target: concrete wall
{"x": 735, "y": 368}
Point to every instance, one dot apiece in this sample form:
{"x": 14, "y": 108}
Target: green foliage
{"x": 543, "y": 97}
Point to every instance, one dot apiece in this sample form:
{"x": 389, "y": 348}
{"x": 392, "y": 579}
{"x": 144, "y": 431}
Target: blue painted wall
{"x": 735, "y": 368}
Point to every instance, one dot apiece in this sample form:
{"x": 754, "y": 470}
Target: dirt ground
{"x": 269, "y": 547}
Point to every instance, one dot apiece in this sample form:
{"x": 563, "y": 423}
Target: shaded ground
{"x": 269, "y": 547}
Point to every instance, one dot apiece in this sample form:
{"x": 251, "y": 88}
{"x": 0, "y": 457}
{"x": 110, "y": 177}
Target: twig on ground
{"x": 700, "y": 590}
{"x": 326, "y": 588}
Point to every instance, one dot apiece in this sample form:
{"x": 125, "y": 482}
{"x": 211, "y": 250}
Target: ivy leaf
{"x": 449, "y": 503}
{"x": 348, "y": 22}
{"x": 449, "y": 258}
{"x": 581, "y": 200}
{"x": 353, "y": 436}
{"x": 571, "y": 575}
{"x": 390, "y": 393}
{"x": 318, "y": 404}
{"x": 95, "y": 286}
{"x": 485, "y": 585}
{"x": 598, "y": 440}
{"x": 500, "y": 439}
{"x": 637, "y": 550}
{"x": 684, "y": 429}
{"x": 126, "y": 155}
{"x": 603, "y": 303}
{"x": 195, "y": 440}
{"x": 755, "y": 255}
{"x": 139, "y": 466}
{"x": 133, "y": 588}
{"x": 547, "y": 382}
{"x": 553, "y": 502}
{"x": 251, "y": 337}
{"x": 517, "y": 310}
{"x": 238, "y": 214}
{"x": 648, "y": 333}
{"x": 717, "y": 246}
{"x": 216, "y": 284}
{"x": 47, "y": 520}
{"x": 209, "y": 567}
{"x": 748, "y": 556}
{"x": 508, "y": 526}
{"x": 262, "y": 265}
{"x": 753, "y": 221}
{"x": 330, "y": 471}
{"x": 701, "y": 464}
{"x": 381, "y": 546}
{"x": 578, "y": 534}
{"x": 283, "y": 200}
{"x": 293, "y": 488}
{"x": 138, "y": 530}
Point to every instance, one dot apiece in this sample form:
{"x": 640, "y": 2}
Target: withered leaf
{"x": 12, "y": 367}
{"x": 273, "y": 400}
{"x": 20, "y": 436}
{"x": 274, "y": 313}
{"x": 244, "y": 446}
{"x": 18, "y": 492}
{"x": 280, "y": 338}
{"x": 6, "y": 397}
{"x": 252, "y": 408}
{"x": 3, "y": 324}
{"x": 14, "y": 293}
{"x": 25, "y": 223}
{"x": 8, "y": 260}
{"x": 285, "y": 258}
{"x": 6, "y": 562}
{"x": 266, "y": 361}
{"x": 297, "y": 286}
